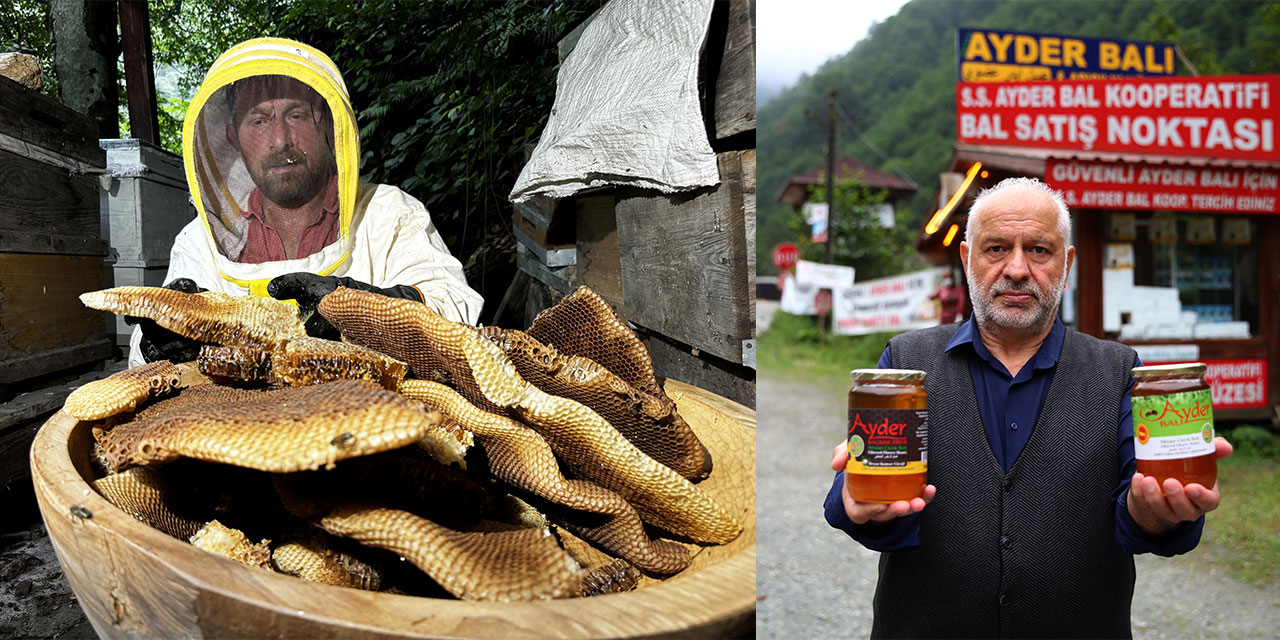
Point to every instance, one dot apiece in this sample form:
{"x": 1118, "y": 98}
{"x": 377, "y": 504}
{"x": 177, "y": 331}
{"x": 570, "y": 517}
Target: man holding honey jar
{"x": 1034, "y": 505}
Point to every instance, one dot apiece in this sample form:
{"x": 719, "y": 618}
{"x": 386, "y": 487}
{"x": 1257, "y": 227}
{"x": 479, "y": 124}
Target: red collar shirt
{"x": 263, "y": 243}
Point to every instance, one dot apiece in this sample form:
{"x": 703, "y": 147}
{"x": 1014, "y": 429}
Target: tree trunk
{"x": 86, "y": 50}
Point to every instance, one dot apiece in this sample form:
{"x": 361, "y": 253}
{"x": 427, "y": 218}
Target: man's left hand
{"x": 1157, "y": 513}
{"x": 309, "y": 288}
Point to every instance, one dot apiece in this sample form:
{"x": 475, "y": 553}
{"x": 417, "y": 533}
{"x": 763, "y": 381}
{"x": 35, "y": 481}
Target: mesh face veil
{"x": 270, "y": 140}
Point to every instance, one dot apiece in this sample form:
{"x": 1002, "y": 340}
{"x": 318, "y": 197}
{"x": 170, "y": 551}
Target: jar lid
{"x": 865, "y": 375}
{"x": 1164, "y": 370}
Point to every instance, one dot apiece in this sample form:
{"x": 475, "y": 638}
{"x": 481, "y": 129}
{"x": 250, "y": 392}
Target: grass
{"x": 790, "y": 349}
{"x": 1243, "y": 534}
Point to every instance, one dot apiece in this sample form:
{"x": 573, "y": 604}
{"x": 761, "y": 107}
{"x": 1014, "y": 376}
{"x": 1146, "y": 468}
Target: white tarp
{"x": 898, "y": 303}
{"x": 626, "y": 110}
{"x": 798, "y": 299}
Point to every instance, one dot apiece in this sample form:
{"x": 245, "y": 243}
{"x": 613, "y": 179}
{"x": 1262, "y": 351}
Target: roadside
{"x": 815, "y": 582}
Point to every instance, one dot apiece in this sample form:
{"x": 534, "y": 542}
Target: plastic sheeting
{"x": 626, "y": 110}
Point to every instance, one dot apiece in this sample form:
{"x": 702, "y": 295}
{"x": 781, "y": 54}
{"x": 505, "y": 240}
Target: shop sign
{"x": 1089, "y": 184}
{"x": 1210, "y": 116}
{"x": 898, "y": 303}
{"x": 1234, "y": 384}
{"x": 988, "y": 55}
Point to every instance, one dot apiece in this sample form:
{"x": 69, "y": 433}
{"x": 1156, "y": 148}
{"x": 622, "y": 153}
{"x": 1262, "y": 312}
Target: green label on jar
{"x": 1177, "y": 425}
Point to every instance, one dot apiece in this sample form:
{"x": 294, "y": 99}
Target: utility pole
{"x": 831, "y": 175}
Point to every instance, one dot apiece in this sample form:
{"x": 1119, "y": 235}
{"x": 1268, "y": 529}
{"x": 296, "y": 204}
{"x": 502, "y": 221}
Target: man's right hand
{"x": 862, "y": 512}
{"x": 159, "y": 343}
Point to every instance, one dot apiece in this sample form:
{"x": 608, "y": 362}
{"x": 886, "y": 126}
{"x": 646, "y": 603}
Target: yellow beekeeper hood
{"x": 318, "y": 140}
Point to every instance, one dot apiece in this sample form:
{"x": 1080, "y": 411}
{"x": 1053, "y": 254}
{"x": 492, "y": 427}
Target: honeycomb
{"x": 285, "y": 430}
{"x": 650, "y": 423}
{"x": 121, "y": 392}
{"x": 210, "y": 316}
{"x": 315, "y": 559}
{"x": 521, "y": 458}
{"x": 152, "y": 498}
{"x": 582, "y": 324}
{"x": 224, "y": 541}
{"x": 616, "y": 577}
{"x": 478, "y": 369}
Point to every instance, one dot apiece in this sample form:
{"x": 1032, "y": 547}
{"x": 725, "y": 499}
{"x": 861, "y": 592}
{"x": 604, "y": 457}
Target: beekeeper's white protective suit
{"x": 383, "y": 236}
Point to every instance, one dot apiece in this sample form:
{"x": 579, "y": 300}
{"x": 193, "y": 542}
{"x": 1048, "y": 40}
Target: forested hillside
{"x": 896, "y": 96}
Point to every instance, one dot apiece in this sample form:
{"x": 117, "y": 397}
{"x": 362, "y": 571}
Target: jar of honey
{"x": 1173, "y": 424}
{"x": 888, "y": 435}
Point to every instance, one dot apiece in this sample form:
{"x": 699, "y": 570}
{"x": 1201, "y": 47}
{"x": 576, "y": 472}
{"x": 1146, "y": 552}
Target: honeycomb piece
{"x": 229, "y": 543}
{"x": 243, "y": 364}
{"x": 649, "y": 422}
{"x": 616, "y": 577}
{"x": 123, "y": 391}
{"x": 280, "y": 431}
{"x": 583, "y": 324}
{"x": 248, "y": 321}
{"x": 527, "y": 564}
{"x": 437, "y": 349}
{"x": 521, "y": 458}
{"x": 316, "y": 560}
{"x": 306, "y": 360}
{"x": 153, "y": 499}
{"x": 450, "y": 450}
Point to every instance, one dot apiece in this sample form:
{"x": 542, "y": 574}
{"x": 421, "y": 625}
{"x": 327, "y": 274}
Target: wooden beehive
{"x": 51, "y": 247}
{"x": 134, "y": 581}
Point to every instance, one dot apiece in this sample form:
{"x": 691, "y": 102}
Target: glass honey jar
{"x": 1173, "y": 424}
{"x": 888, "y": 435}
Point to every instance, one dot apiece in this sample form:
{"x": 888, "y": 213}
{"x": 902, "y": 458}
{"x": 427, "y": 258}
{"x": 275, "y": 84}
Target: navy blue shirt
{"x": 1009, "y": 406}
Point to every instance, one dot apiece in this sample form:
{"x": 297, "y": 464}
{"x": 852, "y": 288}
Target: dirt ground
{"x": 817, "y": 583}
{"x": 35, "y": 599}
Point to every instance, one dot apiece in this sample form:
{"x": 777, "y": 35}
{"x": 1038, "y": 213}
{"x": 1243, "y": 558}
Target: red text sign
{"x": 1235, "y": 384}
{"x": 785, "y": 254}
{"x": 1216, "y": 116}
{"x": 1119, "y": 185}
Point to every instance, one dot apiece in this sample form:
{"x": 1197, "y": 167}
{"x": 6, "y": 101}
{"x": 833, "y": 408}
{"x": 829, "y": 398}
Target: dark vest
{"x": 1026, "y": 554}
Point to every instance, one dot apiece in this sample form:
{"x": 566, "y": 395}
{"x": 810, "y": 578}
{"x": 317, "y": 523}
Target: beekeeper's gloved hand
{"x": 159, "y": 343}
{"x": 308, "y": 288}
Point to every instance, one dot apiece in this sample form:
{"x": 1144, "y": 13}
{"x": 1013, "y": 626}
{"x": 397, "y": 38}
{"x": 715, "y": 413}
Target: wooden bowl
{"x": 134, "y": 581}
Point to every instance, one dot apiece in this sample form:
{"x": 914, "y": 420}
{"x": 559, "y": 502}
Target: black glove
{"x": 309, "y": 288}
{"x": 159, "y": 343}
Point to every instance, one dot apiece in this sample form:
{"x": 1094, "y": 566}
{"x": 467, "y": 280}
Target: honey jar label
{"x": 1171, "y": 426}
{"x": 888, "y": 441}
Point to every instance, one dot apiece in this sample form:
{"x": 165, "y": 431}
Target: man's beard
{"x": 294, "y": 188}
{"x": 1038, "y": 316}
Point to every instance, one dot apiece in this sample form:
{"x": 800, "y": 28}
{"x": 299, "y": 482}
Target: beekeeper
{"x": 272, "y": 158}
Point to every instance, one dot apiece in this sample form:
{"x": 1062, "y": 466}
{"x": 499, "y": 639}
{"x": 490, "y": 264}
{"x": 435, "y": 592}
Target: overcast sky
{"x": 797, "y": 36}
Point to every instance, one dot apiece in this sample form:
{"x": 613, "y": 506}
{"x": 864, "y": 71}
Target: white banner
{"x": 898, "y": 303}
{"x": 797, "y": 299}
{"x": 825, "y": 276}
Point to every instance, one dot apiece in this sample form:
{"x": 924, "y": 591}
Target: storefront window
{"x": 1180, "y": 276}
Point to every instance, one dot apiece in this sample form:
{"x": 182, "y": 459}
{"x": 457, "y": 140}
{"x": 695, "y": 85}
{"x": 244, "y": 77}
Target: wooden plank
{"x": 38, "y": 198}
{"x": 33, "y": 117}
{"x": 39, "y": 363}
{"x": 139, "y": 72}
{"x": 599, "y": 263}
{"x": 678, "y": 362}
{"x": 539, "y": 235}
{"x": 685, "y": 260}
{"x": 749, "y": 217}
{"x": 735, "y": 83}
{"x": 1089, "y": 233}
{"x": 41, "y": 310}
{"x": 19, "y": 242}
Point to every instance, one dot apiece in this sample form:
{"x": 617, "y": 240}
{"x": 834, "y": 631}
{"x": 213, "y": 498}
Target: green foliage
{"x": 24, "y": 29}
{"x": 790, "y": 349}
{"x": 858, "y": 239}
{"x": 896, "y": 88}
{"x": 1249, "y": 440}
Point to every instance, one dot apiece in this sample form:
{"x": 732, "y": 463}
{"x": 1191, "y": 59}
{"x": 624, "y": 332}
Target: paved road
{"x": 816, "y": 583}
